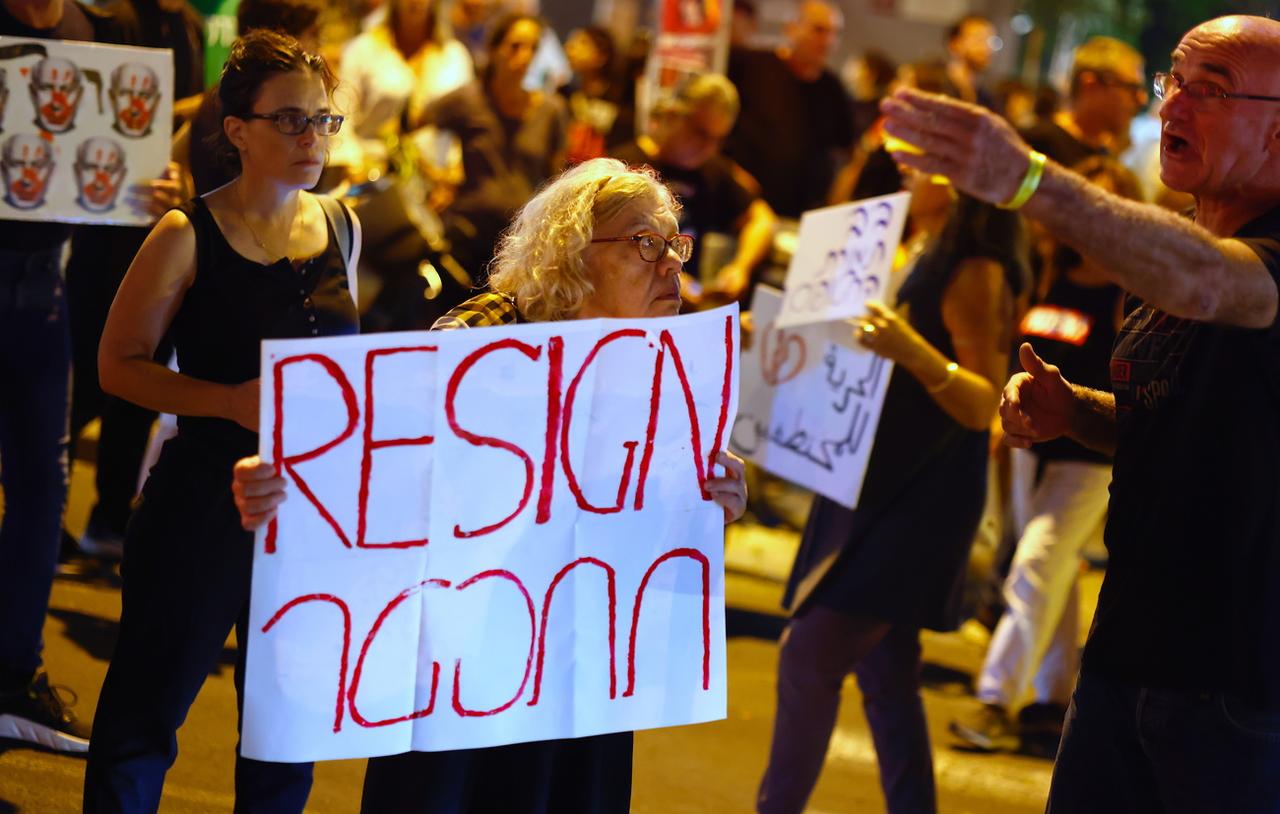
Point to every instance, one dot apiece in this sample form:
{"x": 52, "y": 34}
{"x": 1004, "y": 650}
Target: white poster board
{"x": 811, "y": 402}
{"x": 79, "y": 124}
{"x": 492, "y": 536}
{"x": 844, "y": 257}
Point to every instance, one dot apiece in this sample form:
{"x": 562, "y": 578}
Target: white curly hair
{"x": 539, "y": 258}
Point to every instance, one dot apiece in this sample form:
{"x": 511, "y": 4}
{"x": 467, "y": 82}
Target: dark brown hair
{"x": 255, "y": 58}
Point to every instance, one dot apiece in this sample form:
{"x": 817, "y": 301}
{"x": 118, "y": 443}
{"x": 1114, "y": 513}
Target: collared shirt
{"x": 481, "y": 311}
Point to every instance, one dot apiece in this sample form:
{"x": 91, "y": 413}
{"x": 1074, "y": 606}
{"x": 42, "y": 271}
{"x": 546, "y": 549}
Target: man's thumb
{"x": 1030, "y": 362}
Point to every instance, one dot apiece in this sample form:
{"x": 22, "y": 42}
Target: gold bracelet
{"x": 1030, "y": 182}
{"x": 952, "y": 367}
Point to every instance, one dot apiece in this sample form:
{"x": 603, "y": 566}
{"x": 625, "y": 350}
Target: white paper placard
{"x": 811, "y": 402}
{"x": 844, "y": 257}
{"x": 79, "y": 124}
{"x": 492, "y": 536}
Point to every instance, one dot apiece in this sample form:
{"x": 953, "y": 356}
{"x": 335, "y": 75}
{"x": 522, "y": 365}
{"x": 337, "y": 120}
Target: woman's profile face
{"x": 626, "y": 285}
{"x": 294, "y": 161}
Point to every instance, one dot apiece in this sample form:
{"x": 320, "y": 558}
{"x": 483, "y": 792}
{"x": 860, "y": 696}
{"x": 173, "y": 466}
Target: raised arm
{"x": 149, "y": 297}
{"x": 1162, "y": 258}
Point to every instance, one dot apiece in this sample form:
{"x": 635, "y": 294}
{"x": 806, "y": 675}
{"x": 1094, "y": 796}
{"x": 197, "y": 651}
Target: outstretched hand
{"x": 1036, "y": 405}
{"x": 977, "y": 150}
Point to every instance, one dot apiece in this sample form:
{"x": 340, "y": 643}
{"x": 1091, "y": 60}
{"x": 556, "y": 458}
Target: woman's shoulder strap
{"x": 340, "y": 220}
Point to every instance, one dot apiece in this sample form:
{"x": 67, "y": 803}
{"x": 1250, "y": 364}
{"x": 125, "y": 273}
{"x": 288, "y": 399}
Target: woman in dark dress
{"x": 258, "y": 258}
{"x": 599, "y": 241}
{"x": 865, "y": 581}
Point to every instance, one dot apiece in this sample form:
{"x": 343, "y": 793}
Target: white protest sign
{"x": 811, "y": 402}
{"x": 844, "y": 257}
{"x": 79, "y": 124}
{"x": 492, "y": 535}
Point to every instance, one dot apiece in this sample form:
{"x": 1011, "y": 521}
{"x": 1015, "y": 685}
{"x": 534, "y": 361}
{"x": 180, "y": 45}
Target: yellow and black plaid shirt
{"x": 481, "y": 311}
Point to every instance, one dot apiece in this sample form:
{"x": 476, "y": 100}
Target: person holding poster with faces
{"x": 257, "y": 258}
{"x": 865, "y": 581}
{"x": 599, "y": 241}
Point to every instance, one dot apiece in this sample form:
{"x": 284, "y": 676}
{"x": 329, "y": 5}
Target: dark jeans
{"x": 35, "y": 360}
{"x": 819, "y": 648}
{"x": 186, "y": 573}
{"x": 1134, "y": 749}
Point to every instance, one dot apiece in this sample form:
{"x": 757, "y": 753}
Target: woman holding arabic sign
{"x": 599, "y": 241}
{"x": 865, "y": 581}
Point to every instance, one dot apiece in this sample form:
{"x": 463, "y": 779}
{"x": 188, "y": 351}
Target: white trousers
{"x": 1035, "y": 645}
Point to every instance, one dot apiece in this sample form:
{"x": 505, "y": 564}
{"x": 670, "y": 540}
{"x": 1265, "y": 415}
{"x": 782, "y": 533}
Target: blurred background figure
{"x": 1035, "y": 647}
{"x": 796, "y": 124}
{"x": 470, "y": 19}
{"x": 512, "y": 139}
{"x": 970, "y": 44}
{"x": 868, "y": 79}
{"x": 716, "y": 194}
{"x": 600, "y": 114}
{"x": 1016, "y": 101}
{"x": 390, "y": 73}
{"x": 745, "y": 24}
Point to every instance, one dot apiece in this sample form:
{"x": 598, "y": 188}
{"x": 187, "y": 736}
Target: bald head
{"x": 813, "y": 33}
{"x": 1243, "y": 49}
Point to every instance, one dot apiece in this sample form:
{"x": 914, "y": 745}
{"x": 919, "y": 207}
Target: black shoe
{"x": 988, "y": 728}
{"x": 1041, "y": 728}
{"x": 36, "y": 714}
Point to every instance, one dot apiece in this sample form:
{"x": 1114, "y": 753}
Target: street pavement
{"x": 712, "y": 767}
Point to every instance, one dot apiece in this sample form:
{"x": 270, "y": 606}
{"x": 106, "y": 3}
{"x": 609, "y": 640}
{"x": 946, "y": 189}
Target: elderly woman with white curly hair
{"x": 599, "y": 241}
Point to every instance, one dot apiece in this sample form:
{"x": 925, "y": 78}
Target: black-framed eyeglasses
{"x": 653, "y": 246}
{"x": 293, "y": 123}
{"x": 1166, "y": 84}
{"x": 1111, "y": 81}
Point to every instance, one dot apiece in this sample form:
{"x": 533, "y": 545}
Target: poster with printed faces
{"x": 79, "y": 124}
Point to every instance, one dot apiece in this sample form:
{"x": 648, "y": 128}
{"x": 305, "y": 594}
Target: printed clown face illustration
{"x": 100, "y": 173}
{"x": 26, "y": 164}
{"x": 56, "y": 91}
{"x": 135, "y": 93}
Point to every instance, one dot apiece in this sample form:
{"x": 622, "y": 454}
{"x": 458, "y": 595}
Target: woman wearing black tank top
{"x": 258, "y": 258}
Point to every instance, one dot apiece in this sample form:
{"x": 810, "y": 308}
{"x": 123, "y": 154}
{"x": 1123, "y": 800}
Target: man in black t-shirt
{"x": 1178, "y": 701}
{"x": 1108, "y": 88}
{"x": 715, "y": 193}
{"x": 796, "y": 125}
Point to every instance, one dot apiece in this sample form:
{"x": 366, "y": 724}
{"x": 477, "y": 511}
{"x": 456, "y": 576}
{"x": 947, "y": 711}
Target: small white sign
{"x": 811, "y": 402}
{"x": 844, "y": 257}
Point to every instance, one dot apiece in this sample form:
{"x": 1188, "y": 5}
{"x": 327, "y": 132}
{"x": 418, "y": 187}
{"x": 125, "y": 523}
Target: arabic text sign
{"x": 844, "y": 256}
{"x": 493, "y": 535}
{"x": 811, "y": 401}
{"x": 79, "y": 123}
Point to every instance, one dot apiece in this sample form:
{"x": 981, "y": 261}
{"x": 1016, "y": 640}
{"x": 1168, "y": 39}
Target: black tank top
{"x": 234, "y": 303}
{"x": 1074, "y": 328}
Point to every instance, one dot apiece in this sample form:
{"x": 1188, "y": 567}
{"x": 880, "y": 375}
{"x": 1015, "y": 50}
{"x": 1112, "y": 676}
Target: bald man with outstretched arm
{"x": 1178, "y": 703}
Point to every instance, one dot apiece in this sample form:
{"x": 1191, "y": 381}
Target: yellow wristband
{"x": 934, "y": 390}
{"x": 1030, "y": 181}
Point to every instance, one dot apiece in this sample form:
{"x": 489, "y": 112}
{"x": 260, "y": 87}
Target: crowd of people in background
{"x": 439, "y": 123}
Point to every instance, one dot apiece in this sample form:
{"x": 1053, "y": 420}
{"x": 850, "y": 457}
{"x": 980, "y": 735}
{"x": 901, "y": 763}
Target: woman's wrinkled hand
{"x": 730, "y": 491}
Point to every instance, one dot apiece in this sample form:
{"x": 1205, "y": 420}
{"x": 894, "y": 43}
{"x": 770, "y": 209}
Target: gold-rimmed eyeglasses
{"x": 653, "y": 246}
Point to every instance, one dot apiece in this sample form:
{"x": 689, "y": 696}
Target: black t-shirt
{"x": 713, "y": 197}
{"x": 1047, "y": 137}
{"x": 790, "y": 132}
{"x": 1191, "y": 598}
{"x": 1074, "y": 328}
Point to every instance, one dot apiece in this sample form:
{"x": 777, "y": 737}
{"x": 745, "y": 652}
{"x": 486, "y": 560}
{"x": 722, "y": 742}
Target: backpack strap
{"x": 336, "y": 212}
